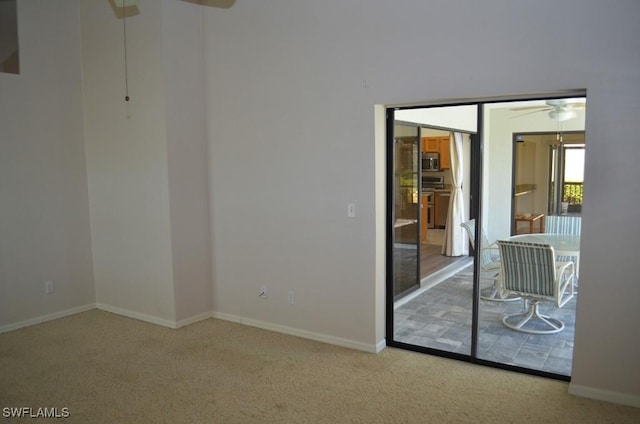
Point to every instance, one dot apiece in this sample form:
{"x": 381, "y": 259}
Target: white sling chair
{"x": 530, "y": 270}
{"x": 489, "y": 265}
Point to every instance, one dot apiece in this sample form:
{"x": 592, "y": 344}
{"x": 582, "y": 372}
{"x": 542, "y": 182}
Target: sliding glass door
{"x": 453, "y": 304}
{"x": 520, "y": 199}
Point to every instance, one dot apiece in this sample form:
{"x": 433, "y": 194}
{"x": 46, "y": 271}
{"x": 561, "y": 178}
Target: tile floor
{"x": 440, "y": 317}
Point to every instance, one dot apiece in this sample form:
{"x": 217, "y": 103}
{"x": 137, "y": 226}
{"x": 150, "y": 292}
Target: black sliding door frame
{"x": 476, "y": 172}
{"x": 475, "y": 212}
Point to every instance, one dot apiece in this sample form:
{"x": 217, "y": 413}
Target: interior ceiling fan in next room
{"x": 556, "y": 109}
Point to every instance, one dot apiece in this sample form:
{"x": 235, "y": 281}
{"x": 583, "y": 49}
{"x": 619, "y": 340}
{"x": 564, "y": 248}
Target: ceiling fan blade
{"x": 530, "y": 108}
{"x": 529, "y": 113}
{"x": 576, "y": 105}
{"x": 566, "y": 103}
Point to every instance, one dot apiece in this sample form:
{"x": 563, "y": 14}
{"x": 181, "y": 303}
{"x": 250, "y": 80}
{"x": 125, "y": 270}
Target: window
{"x": 9, "y": 57}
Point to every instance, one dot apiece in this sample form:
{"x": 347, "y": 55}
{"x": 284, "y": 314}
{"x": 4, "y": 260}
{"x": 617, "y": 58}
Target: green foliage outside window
{"x": 572, "y": 193}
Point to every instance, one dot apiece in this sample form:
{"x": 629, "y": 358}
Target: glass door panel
{"x": 432, "y": 308}
{"x": 406, "y": 210}
{"x": 508, "y": 193}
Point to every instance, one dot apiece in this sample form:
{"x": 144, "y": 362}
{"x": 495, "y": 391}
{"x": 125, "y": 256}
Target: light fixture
{"x": 560, "y": 114}
{"x": 122, "y": 5}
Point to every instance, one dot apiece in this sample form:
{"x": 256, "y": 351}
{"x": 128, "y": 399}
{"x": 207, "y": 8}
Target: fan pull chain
{"x": 124, "y": 33}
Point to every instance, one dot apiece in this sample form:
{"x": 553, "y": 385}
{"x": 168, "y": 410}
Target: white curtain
{"x": 454, "y": 238}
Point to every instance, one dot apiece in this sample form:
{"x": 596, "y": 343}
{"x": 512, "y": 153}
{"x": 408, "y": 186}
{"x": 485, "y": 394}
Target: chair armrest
{"x": 494, "y": 252}
{"x": 565, "y": 273}
{"x": 564, "y": 267}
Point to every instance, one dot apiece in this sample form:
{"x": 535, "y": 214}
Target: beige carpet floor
{"x": 108, "y": 369}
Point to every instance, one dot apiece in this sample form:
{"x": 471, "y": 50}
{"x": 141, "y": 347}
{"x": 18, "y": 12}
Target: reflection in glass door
{"x": 433, "y": 291}
{"x": 406, "y": 211}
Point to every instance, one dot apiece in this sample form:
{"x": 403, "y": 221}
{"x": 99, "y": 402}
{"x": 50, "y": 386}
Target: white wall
{"x": 144, "y": 171}
{"x": 187, "y": 158}
{"x": 44, "y": 215}
{"x": 146, "y": 160}
{"x": 127, "y": 160}
{"x": 291, "y": 142}
{"x": 291, "y": 87}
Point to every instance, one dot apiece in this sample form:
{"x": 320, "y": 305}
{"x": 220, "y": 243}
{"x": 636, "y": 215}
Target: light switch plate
{"x": 351, "y": 210}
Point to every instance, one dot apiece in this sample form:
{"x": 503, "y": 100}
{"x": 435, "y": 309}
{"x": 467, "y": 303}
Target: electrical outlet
{"x": 351, "y": 210}
{"x": 263, "y": 292}
{"x": 48, "y": 287}
{"x": 291, "y": 298}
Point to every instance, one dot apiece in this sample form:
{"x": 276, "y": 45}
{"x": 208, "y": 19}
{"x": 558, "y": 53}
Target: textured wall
{"x": 291, "y": 87}
{"x": 44, "y": 213}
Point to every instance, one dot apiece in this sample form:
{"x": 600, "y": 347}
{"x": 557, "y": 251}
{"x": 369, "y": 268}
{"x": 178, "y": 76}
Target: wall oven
{"x": 430, "y": 215}
{"x": 430, "y": 183}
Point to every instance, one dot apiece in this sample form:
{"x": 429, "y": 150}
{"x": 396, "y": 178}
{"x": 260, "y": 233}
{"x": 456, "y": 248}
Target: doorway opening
{"x": 449, "y": 314}
{"x": 548, "y": 177}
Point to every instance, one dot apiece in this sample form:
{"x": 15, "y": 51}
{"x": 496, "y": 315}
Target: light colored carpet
{"x": 110, "y": 369}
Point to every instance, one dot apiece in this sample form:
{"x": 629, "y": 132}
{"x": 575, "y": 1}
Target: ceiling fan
{"x": 557, "y": 109}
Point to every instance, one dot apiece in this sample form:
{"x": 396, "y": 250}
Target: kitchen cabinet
{"x": 439, "y": 145}
{"x": 431, "y": 144}
{"x": 445, "y": 154}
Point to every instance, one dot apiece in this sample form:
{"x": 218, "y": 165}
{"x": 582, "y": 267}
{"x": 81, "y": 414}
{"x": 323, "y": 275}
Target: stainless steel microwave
{"x": 430, "y": 161}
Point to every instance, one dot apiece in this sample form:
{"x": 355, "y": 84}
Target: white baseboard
{"x": 604, "y": 395}
{"x": 381, "y": 345}
{"x": 137, "y": 315}
{"x": 48, "y": 317}
{"x": 194, "y": 319}
{"x": 338, "y": 341}
{"x": 113, "y": 309}
{"x": 153, "y": 319}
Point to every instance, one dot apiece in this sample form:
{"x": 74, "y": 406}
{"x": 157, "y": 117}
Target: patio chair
{"x": 489, "y": 265}
{"x": 531, "y": 271}
{"x": 562, "y": 224}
